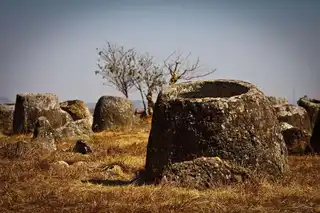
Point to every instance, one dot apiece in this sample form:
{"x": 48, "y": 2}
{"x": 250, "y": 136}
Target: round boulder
{"x": 74, "y": 129}
{"x": 111, "y": 113}
{"x": 297, "y": 140}
{"x": 312, "y": 107}
{"x": 229, "y": 119}
{"x": 76, "y": 108}
{"x": 30, "y": 106}
{"x": 295, "y": 127}
{"x": 6, "y": 118}
{"x": 294, "y": 115}
{"x": 82, "y": 147}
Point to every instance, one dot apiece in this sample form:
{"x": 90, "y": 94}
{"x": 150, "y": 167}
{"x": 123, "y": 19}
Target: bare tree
{"x": 116, "y": 65}
{"x": 139, "y": 85}
{"x": 153, "y": 76}
{"x": 180, "y": 69}
{"x": 127, "y": 70}
{"x": 148, "y": 79}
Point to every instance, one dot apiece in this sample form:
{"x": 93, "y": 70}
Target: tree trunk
{"x": 144, "y": 103}
{"x": 173, "y": 79}
{"x": 126, "y": 94}
{"x": 150, "y": 103}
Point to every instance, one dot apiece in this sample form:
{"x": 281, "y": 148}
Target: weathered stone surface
{"x": 15, "y": 150}
{"x": 30, "y": 106}
{"x": 228, "y": 119}
{"x": 43, "y": 128}
{"x": 295, "y": 127}
{"x": 277, "y": 100}
{"x": 77, "y": 109}
{"x": 111, "y": 113}
{"x": 82, "y": 147}
{"x": 43, "y": 134}
{"x": 297, "y": 140}
{"x": 315, "y": 138}
{"x": 294, "y": 115}
{"x": 204, "y": 172}
{"x": 66, "y": 117}
{"x": 6, "y": 118}
{"x": 312, "y": 107}
{"x": 85, "y": 126}
{"x": 74, "y": 130}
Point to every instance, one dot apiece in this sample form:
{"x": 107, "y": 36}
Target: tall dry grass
{"x": 35, "y": 182}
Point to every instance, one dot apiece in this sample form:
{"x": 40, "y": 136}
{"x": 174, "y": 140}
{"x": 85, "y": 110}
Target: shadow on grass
{"x": 108, "y": 182}
{"x": 138, "y": 180}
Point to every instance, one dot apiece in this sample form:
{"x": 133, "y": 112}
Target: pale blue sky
{"x": 50, "y": 46}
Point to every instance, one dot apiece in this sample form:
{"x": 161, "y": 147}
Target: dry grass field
{"x": 99, "y": 182}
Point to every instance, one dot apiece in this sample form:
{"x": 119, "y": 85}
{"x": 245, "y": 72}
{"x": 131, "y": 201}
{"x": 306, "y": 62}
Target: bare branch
{"x": 199, "y": 76}
{"x": 148, "y": 78}
{"x": 115, "y": 65}
{"x": 179, "y": 68}
{"x": 169, "y": 56}
{"x": 191, "y": 69}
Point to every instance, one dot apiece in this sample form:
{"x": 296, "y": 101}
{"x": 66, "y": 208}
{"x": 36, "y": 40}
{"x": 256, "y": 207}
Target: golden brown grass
{"x": 33, "y": 183}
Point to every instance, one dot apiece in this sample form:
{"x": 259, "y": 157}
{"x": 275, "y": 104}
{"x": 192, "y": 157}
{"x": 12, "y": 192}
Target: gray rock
{"x": 312, "y": 107}
{"x": 77, "y": 109}
{"x": 6, "y": 118}
{"x": 295, "y": 127}
{"x": 294, "y": 115}
{"x": 277, "y": 100}
{"x": 112, "y": 112}
{"x": 66, "y": 117}
{"x": 228, "y": 119}
{"x": 297, "y": 140}
{"x": 30, "y": 106}
{"x": 43, "y": 128}
{"x": 43, "y": 134}
{"x": 82, "y": 147}
{"x": 75, "y": 130}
